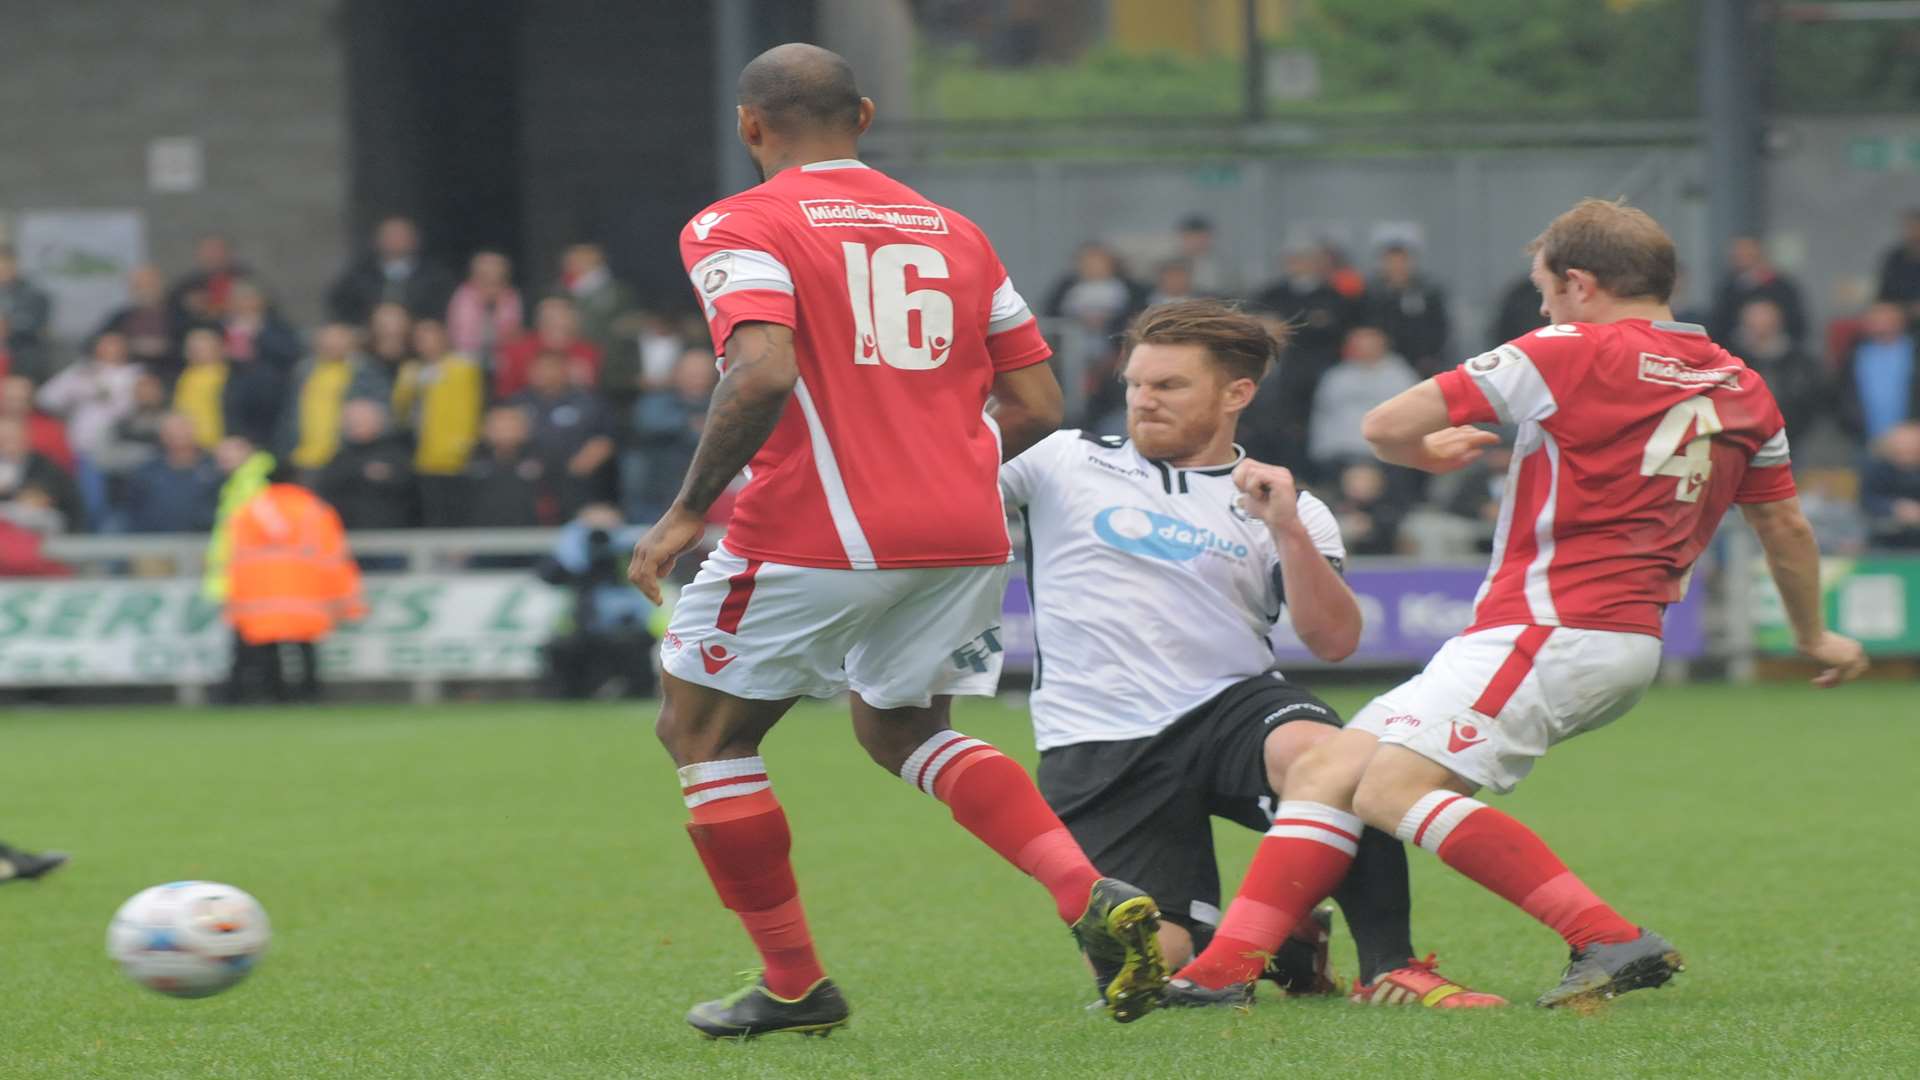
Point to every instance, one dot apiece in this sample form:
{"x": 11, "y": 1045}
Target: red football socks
{"x": 741, "y": 834}
{"x": 1302, "y": 860}
{"x": 993, "y": 798}
{"x": 1507, "y": 858}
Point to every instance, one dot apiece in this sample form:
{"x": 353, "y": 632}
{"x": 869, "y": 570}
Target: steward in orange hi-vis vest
{"x": 291, "y": 577}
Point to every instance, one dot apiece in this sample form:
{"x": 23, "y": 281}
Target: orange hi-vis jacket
{"x": 290, "y": 574}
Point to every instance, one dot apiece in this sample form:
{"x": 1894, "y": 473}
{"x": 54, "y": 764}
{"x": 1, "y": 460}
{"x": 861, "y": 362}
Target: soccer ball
{"x": 188, "y": 939}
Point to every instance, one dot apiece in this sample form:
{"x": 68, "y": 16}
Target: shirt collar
{"x": 833, "y": 163}
{"x": 1239, "y": 455}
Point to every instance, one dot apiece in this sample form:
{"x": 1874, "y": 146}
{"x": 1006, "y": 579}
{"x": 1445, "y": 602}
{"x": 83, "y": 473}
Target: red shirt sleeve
{"x": 732, "y": 257}
{"x": 1466, "y": 404}
{"x": 1013, "y": 334}
{"x": 1764, "y": 484}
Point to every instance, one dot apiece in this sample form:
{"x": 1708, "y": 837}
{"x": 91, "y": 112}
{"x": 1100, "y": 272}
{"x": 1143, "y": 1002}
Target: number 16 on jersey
{"x": 885, "y": 313}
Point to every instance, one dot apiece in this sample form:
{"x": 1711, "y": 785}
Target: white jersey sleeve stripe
{"x": 852, "y": 537}
{"x": 1773, "y": 451}
{"x": 1538, "y": 588}
{"x": 1512, "y": 384}
{"x": 738, "y": 270}
{"x": 1009, "y": 310}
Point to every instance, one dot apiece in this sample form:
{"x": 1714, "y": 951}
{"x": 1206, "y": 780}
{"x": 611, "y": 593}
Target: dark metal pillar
{"x": 732, "y": 48}
{"x": 1732, "y": 65}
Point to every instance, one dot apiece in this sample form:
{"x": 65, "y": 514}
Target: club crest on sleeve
{"x": 713, "y": 271}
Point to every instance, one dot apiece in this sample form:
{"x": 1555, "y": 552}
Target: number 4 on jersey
{"x": 883, "y": 309}
{"x": 1664, "y": 456}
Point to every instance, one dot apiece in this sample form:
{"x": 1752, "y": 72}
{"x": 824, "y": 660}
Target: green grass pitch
{"x": 479, "y": 890}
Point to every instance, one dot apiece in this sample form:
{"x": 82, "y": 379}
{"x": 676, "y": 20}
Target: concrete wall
{"x": 85, "y": 84}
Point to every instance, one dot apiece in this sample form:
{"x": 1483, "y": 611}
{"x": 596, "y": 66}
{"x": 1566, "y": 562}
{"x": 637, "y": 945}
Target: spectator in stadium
{"x": 200, "y": 296}
{"x": 1411, "y": 310}
{"x": 389, "y": 341}
{"x": 443, "y": 397}
{"x": 1760, "y": 338}
{"x": 254, "y": 399}
{"x": 604, "y": 652}
{"x": 177, "y": 490}
{"x": 203, "y": 381}
{"x": 35, "y": 492}
{"x": 1752, "y": 276}
{"x": 370, "y": 479}
{"x": 505, "y": 483}
{"x": 92, "y": 395}
{"x": 1890, "y": 487}
{"x": 1473, "y": 494}
{"x": 1097, "y": 294}
{"x": 485, "y": 312}
{"x": 1208, "y": 274}
{"x": 1368, "y": 374}
{"x": 556, "y": 329}
{"x": 1173, "y": 281}
{"x": 1306, "y": 299}
{"x": 335, "y": 374}
{"x": 1367, "y": 508}
{"x": 135, "y": 438}
{"x": 666, "y": 428}
{"x": 148, "y": 321}
{"x": 1879, "y": 383}
{"x": 572, "y": 436}
{"x": 290, "y": 578}
{"x": 254, "y": 331}
{"x": 28, "y": 311}
{"x": 395, "y": 271}
{"x": 598, "y": 296}
{"x": 1900, "y": 269}
{"x": 6, "y": 350}
{"x": 1518, "y": 313}
{"x": 47, "y": 435}
{"x": 658, "y": 345}
{"x": 1346, "y": 280}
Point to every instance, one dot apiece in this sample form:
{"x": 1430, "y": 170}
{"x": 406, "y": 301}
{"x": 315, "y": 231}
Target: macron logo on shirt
{"x": 847, "y": 213}
{"x": 705, "y": 223}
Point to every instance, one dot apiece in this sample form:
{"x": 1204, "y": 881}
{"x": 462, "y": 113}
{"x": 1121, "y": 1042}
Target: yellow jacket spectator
{"x": 442, "y": 395}
{"x": 201, "y": 386}
{"x": 333, "y": 374}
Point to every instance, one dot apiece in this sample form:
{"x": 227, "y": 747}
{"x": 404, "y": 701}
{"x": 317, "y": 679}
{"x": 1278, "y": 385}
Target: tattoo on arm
{"x": 745, "y": 409}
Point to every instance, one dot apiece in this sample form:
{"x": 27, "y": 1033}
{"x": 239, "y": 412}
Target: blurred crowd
{"x": 423, "y": 398}
{"x": 1357, "y": 335}
{"x": 426, "y": 398}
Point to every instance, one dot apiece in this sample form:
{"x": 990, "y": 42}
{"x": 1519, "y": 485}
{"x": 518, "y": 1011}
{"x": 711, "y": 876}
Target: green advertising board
{"x": 1873, "y": 599}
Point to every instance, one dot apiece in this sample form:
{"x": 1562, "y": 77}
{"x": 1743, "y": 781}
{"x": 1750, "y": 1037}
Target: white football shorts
{"x": 768, "y": 631}
{"x": 1491, "y": 702}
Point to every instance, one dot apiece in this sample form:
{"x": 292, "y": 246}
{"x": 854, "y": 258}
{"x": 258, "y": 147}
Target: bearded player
{"x": 1156, "y": 704}
{"x": 1636, "y": 433}
{"x": 863, "y": 330}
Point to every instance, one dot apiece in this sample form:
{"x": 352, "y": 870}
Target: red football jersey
{"x": 902, "y": 315}
{"x": 1634, "y": 438}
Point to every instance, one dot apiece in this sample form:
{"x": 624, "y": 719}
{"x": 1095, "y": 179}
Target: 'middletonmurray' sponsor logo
{"x": 1670, "y": 372}
{"x": 846, "y": 213}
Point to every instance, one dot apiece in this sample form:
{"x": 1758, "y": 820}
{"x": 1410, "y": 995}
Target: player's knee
{"x": 690, "y": 736}
{"x": 888, "y": 747}
{"x": 1286, "y": 745}
{"x": 1325, "y": 772}
{"x": 1380, "y": 800}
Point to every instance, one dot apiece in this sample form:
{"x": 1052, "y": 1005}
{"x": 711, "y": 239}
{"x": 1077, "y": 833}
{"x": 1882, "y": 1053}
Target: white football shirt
{"x": 1152, "y": 589}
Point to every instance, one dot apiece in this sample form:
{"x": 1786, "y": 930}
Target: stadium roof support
{"x": 1732, "y": 115}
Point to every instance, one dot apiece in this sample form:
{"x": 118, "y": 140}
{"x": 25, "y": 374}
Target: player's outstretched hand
{"x": 675, "y": 534}
{"x": 1267, "y": 492}
{"x": 1456, "y": 448}
{"x": 1845, "y": 660}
